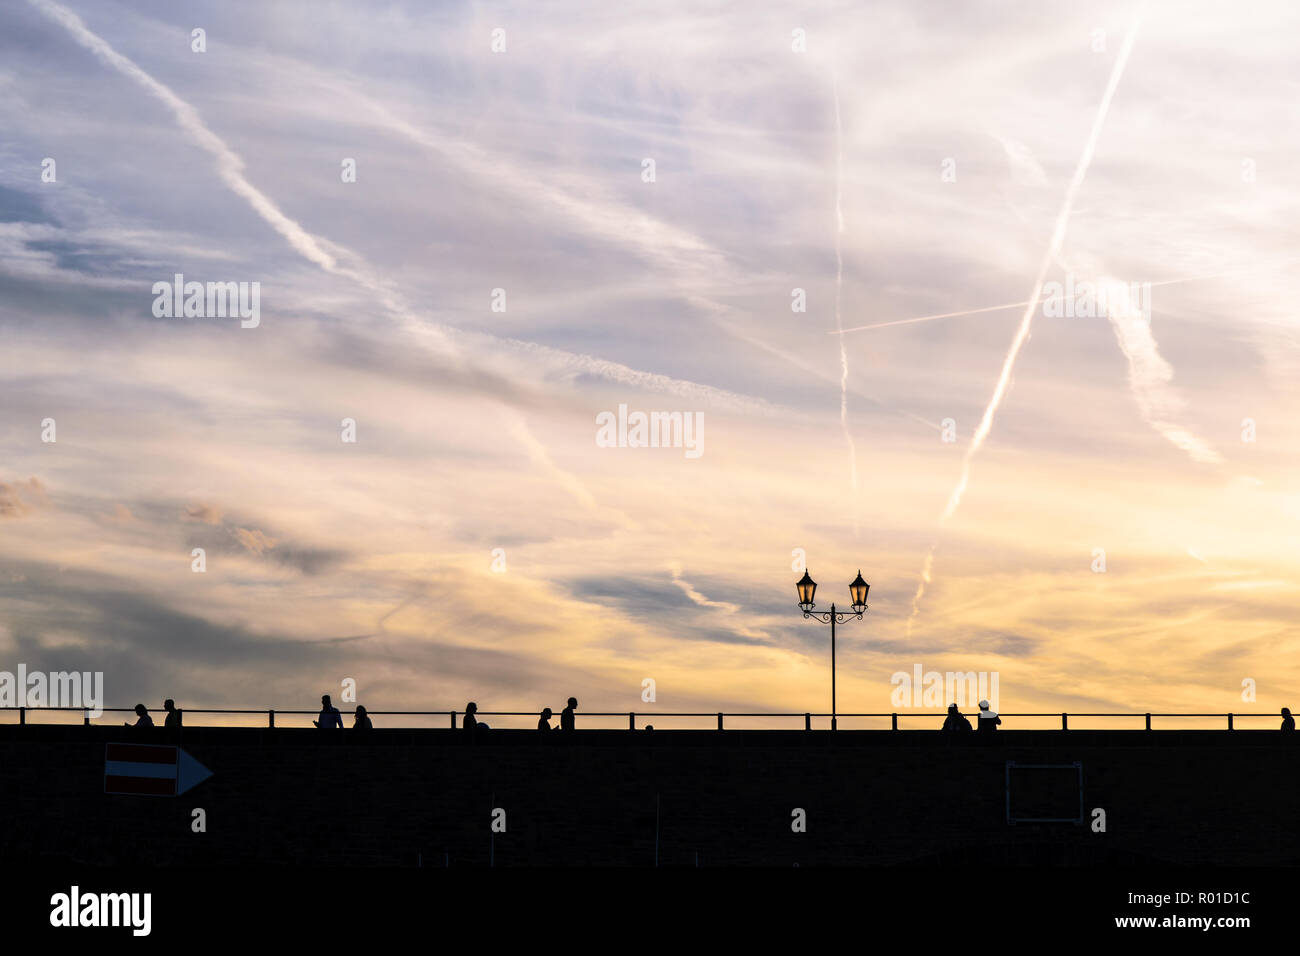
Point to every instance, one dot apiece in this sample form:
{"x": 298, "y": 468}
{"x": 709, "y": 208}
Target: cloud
{"x": 1149, "y": 374}
{"x": 696, "y": 596}
{"x": 1024, "y": 166}
{"x": 20, "y": 498}
{"x": 207, "y": 514}
{"x": 232, "y": 537}
{"x": 253, "y": 541}
{"x": 654, "y": 238}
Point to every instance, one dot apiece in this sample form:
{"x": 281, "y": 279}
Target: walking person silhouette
{"x": 330, "y": 718}
{"x": 173, "y": 721}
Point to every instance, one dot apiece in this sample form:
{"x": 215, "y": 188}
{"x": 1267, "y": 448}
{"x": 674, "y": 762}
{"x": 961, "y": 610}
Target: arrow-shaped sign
{"x": 151, "y": 770}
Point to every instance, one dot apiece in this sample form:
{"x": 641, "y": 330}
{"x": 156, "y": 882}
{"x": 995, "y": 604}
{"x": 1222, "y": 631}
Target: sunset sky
{"x": 915, "y": 160}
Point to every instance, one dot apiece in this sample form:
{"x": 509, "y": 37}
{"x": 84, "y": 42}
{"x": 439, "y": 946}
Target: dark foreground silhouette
{"x": 330, "y": 718}
{"x": 955, "y": 723}
{"x": 400, "y": 796}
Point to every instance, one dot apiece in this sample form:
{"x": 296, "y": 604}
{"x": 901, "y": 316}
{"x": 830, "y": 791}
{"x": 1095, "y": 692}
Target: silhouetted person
{"x": 361, "y": 720}
{"x": 544, "y": 722}
{"x": 173, "y": 721}
{"x": 956, "y": 722}
{"x": 471, "y": 722}
{"x": 330, "y": 718}
{"x": 143, "y": 720}
{"x": 988, "y": 719}
{"x": 566, "y": 715}
{"x": 1288, "y": 722}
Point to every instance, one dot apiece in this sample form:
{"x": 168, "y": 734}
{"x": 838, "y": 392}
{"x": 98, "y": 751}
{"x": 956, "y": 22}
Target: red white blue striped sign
{"x": 150, "y": 770}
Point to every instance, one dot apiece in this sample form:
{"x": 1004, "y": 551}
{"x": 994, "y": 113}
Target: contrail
{"x": 340, "y": 261}
{"x": 930, "y": 318}
{"x": 786, "y": 356}
{"x": 1022, "y": 333}
{"x": 1150, "y": 376}
{"x": 230, "y": 167}
{"x": 1020, "y": 305}
{"x": 839, "y": 288}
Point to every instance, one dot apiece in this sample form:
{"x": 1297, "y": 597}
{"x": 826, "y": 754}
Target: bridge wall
{"x": 618, "y": 798}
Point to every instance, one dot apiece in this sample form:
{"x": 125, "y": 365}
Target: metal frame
{"x": 1013, "y": 765}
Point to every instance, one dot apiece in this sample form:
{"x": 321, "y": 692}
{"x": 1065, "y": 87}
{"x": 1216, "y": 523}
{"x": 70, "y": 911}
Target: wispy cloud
{"x": 1022, "y": 332}
{"x": 1149, "y": 374}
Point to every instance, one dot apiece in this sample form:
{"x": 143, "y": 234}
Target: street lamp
{"x": 858, "y": 588}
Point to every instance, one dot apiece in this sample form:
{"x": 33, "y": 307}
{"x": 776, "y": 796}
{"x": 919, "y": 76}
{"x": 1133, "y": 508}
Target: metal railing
{"x": 632, "y": 716}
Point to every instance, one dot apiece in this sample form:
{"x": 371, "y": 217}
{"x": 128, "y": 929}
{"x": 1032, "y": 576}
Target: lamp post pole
{"x": 832, "y": 616}
{"x": 807, "y": 587}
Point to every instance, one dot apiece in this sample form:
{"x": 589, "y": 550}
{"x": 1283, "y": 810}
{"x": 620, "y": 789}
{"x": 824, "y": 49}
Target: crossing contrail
{"x": 1022, "y": 333}
{"x": 839, "y": 288}
{"x": 1020, "y": 305}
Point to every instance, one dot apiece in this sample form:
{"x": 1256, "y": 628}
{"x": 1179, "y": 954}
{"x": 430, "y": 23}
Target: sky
{"x": 732, "y": 211}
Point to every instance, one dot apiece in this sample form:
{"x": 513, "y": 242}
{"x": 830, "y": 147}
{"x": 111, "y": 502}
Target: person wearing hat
{"x": 544, "y": 721}
{"x": 1288, "y": 722}
{"x": 988, "y": 719}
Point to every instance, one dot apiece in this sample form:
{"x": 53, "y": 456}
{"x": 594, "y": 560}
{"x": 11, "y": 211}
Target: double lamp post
{"x": 858, "y": 588}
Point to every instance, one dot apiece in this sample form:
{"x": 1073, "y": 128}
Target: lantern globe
{"x": 858, "y": 590}
{"x": 806, "y": 587}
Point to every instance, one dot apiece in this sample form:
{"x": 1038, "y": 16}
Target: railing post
{"x": 631, "y": 720}
{"x": 893, "y": 724}
{"x": 719, "y": 720}
{"x": 1148, "y": 721}
{"x": 807, "y": 721}
{"x": 453, "y": 720}
{"x": 270, "y": 719}
{"x": 85, "y": 718}
{"x": 22, "y": 716}
{"x": 1065, "y": 723}
{"x": 1230, "y": 721}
